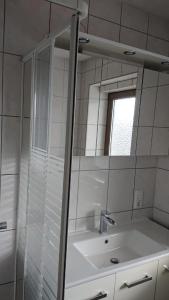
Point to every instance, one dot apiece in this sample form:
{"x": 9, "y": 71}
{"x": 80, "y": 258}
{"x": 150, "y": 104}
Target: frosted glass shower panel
{"x": 41, "y": 100}
{"x": 55, "y": 171}
{"x": 37, "y": 178}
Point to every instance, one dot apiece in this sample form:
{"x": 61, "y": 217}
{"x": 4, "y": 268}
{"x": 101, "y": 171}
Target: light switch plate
{"x": 138, "y": 199}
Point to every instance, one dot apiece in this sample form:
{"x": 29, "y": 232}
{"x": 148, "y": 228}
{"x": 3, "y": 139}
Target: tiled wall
{"x": 97, "y": 184}
{"x": 128, "y": 25}
{"x": 22, "y": 25}
{"x": 161, "y": 200}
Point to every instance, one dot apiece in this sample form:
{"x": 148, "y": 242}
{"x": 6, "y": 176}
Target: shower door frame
{"x": 50, "y": 42}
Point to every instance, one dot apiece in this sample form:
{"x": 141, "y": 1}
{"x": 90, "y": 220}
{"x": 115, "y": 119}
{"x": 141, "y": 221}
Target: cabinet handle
{"x": 137, "y": 282}
{"x": 100, "y": 295}
{"x": 166, "y": 268}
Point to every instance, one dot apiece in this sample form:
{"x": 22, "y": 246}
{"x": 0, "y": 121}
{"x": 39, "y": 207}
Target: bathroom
{"x": 84, "y": 150}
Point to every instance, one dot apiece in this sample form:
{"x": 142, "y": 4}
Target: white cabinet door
{"x": 137, "y": 283}
{"x": 162, "y": 289}
{"x": 94, "y": 290}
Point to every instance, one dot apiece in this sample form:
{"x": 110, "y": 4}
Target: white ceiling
{"x": 157, "y": 7}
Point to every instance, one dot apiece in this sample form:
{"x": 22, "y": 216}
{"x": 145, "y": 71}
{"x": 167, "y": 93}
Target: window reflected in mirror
{"x": 120, "y": 118}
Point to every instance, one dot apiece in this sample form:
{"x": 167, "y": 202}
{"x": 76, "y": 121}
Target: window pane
{"x": 122, "y": 126}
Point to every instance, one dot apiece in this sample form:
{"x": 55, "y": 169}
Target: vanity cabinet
{"x": 146, "y": 282}
{"x": 94, "y": 290}
{"x": 137, "y": 283}
{"x": 162, "y": 288}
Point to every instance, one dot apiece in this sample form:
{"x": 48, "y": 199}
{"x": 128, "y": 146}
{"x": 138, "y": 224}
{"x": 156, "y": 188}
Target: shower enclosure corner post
{"x": 68, "y": 152}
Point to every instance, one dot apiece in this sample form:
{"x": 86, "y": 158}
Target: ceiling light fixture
{"x": 129, "y": 52}
{"x": 165, "y": 63}
{"x": 83, "y": 40}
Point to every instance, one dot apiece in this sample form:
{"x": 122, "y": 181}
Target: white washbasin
{"x": 123, "y": 246}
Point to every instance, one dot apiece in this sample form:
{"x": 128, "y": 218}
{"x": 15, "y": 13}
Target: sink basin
{"x": 106, "y": 251}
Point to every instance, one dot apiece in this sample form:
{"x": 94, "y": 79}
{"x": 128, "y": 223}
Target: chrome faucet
{"x": 105, "y": 220}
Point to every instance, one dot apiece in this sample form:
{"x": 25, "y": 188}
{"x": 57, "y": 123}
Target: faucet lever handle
{"x": 105, "y": 213}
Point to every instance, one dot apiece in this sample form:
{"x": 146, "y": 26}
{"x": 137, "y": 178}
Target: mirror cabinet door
{"x": 121, "y": 109}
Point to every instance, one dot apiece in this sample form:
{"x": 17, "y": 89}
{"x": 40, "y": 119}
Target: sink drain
{"x": 114, "y": 260}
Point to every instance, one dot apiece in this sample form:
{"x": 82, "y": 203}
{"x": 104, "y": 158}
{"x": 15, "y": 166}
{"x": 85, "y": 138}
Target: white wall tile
{"x": 163, "y": 79}
{"x": 103, "y": 29}
{"x": 146, "y": 162}
{"x": 144, "y": 141}
{"x": 7, "y": 292}
{"x": 120, "y": 199}
{"x": 11, "y": 82}
{"x": 91, "y": 137}
{"x": 160, "y": 141}
{"x": 122, "y": 162}
{"x": 8, "y": 205}
{"x": 163, "y": 162}
{"x": 113, "y": 69}
{"x": 72, "y": 226}
{"x": 59, "y": 110}
{"x": 133, "y": 38}
{"x": 134, "y": 18}
{"x": 57, "y": 23}
{"x": 73, "y": 194}
{"x": 83, "y": 112}
{"x": 161, "y": 217}
{"x": 89, "y": 223}
{"x": 10, "y": 145}
{"x": 147, "y": 107}
{"x": 92, "y": 192}
{"x": 122, "y": 218}
{"x": 142, "y": 213}
{"x": 26, "y": 24}
{"x": 7, "y": 256}
{"x": 107, "y": 9}
{"x": 162, "y": 107}
{"x": 162, "y": 190}
{"x": 94, "y": 163}
{"x": 150, "y": 78}
{"x": 158, "y": 27}
{"x": 27, "y": 88}
{"x": 145, "y": 181}
{"x": 75, "y": 163}
{"x": 157, "y": 45}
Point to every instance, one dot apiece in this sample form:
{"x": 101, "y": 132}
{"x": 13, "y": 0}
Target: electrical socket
{"x": 138, "y": 199}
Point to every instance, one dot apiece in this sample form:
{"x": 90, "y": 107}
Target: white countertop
{"x": 79, "y": 270}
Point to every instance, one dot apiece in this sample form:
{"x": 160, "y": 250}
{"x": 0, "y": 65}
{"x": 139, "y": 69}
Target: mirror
{"x": 118, "y": 109}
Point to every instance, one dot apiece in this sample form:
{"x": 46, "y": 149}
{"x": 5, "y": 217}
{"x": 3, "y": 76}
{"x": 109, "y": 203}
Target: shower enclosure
{"x": 49, "y": 76}
{"x": 49, "y": 81}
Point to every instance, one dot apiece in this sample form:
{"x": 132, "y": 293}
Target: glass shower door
{"x": 51, "y": 129}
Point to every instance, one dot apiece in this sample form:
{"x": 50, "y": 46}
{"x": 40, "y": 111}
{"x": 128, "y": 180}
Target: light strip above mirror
{"x": 119, "y": 51}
